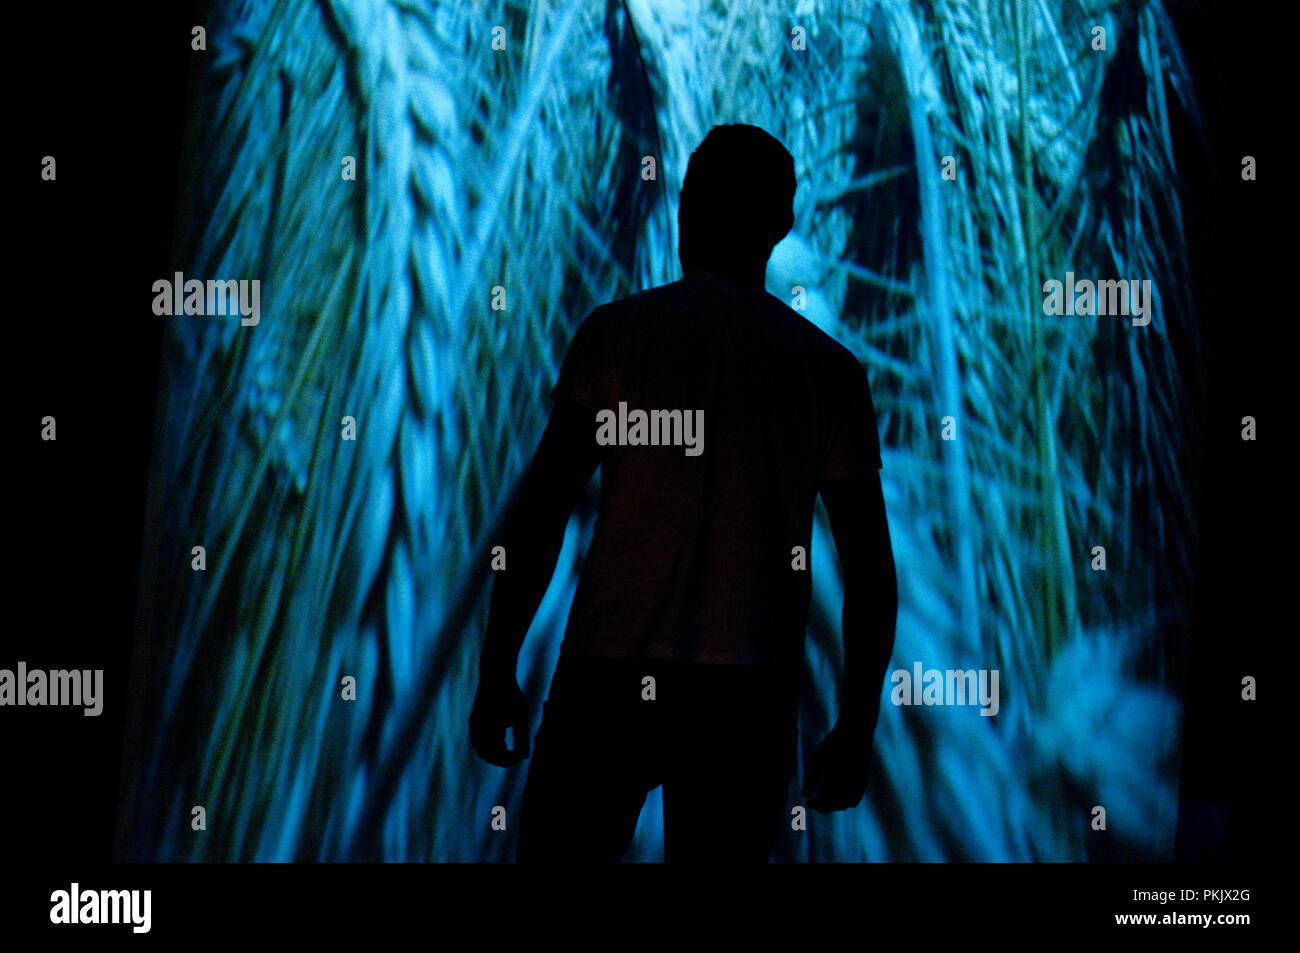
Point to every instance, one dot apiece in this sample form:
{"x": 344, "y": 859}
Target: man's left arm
{"x": 566, "y": 457}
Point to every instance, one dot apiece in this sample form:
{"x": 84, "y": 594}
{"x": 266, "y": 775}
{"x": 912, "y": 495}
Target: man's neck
{"x": 747, "y": 278}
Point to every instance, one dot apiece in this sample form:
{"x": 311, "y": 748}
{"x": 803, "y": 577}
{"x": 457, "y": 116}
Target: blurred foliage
{"x": 522, "y": 168}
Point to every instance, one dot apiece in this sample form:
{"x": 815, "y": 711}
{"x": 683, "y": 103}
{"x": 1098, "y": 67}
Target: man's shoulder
{"x": 832, "y": 358}
{"x": 649, "y": 304}
{"x": 837, "y": 356}
{"x": 638, "y": 302}
{"x": 681, "y": 295}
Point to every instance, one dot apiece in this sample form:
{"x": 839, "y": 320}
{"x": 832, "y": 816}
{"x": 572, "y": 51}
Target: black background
{"x": 106, "y": 95}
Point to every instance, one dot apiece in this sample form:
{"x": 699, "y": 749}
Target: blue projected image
{"x": 431, "y": 199}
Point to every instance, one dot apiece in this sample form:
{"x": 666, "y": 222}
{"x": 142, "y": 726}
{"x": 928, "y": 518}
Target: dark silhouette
{"x": 681, "y": 658}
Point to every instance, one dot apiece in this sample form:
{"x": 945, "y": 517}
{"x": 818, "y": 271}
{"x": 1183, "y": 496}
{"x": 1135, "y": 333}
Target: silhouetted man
{"x": 716, "y": 414}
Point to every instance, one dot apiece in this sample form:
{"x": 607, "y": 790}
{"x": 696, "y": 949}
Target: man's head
{"x": 737, "y": 201}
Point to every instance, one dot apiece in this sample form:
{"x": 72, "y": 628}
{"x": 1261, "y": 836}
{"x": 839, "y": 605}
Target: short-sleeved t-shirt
{"x": 693, "y": 555}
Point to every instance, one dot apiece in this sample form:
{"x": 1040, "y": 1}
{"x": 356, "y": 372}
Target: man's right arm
{"x": 856, "y": 507}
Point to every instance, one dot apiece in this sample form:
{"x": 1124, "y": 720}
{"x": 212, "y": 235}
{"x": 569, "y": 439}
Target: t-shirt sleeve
{"x": 852, "y": 442}
{"x": 586, "y": 376}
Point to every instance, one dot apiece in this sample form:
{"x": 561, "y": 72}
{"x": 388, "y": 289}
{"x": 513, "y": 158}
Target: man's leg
{"x": 592, "y": 765}
{"x": 728, "y": 777}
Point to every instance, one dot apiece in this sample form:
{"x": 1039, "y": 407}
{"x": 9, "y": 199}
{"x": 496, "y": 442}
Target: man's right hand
{"x": 498, "y": 705}
{"x": 835, "y": 777}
